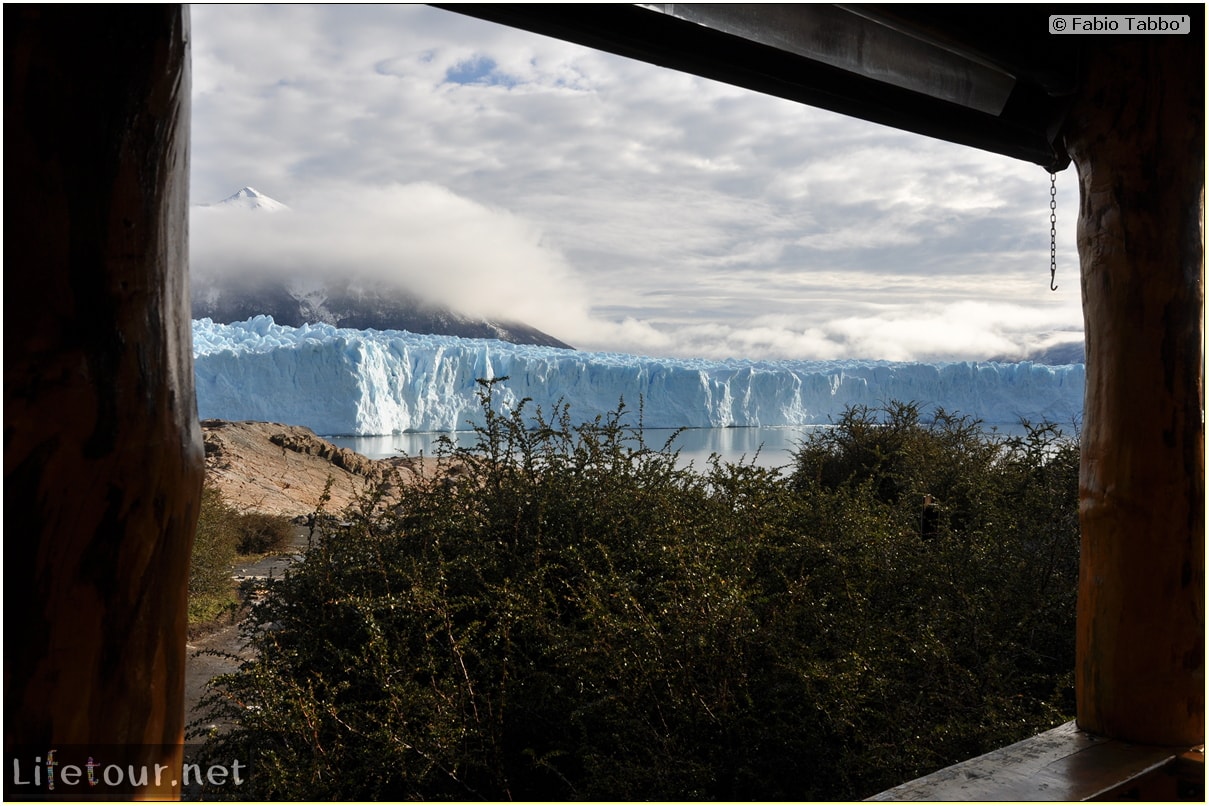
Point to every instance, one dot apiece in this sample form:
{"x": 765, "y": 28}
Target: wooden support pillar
{"x": 1136, "y": 136}
{"x": 102, "y": 449}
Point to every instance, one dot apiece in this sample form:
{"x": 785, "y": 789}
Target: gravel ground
{"x": 201, "y": 666}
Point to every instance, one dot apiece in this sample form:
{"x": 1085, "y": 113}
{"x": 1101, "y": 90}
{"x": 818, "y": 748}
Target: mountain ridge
{"x": 357, "y": 302}
{"x": 1064, "y": 354}
{"x": 350, "y": 305}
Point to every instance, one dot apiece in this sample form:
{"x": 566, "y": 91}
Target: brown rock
{"x": 283, "y": 469}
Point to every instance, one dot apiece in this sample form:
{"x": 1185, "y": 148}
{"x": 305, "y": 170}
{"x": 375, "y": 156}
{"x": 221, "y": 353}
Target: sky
{"x": 615, "y": 205}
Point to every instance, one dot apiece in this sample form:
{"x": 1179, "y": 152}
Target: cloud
{"x": 611, "y": 203}
{"x": 964, "y": 330}
{"x": 419, "y": 237}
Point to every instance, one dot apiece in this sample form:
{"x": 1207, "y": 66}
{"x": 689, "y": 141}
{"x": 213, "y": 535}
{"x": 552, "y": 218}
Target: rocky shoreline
{"x": 279, "y": 470}
{"x": 283, "y": 469}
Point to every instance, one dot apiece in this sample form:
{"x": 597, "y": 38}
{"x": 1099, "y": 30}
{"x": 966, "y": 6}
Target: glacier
{"x": 367, "y": 382}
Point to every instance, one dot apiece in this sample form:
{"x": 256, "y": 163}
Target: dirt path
{"x": 280, "y": 470}
{"x": 201, "y": 664}
{"x": 200, "y": 668}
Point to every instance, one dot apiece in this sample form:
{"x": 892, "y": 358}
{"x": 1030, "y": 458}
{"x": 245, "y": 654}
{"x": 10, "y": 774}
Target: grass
{"x": 225, "y": 538}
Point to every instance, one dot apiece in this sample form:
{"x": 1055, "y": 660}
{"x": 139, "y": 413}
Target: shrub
{"x": 214, "y": 548}
{"x": 575, "y": 617}
{"x": 260, "y": 532}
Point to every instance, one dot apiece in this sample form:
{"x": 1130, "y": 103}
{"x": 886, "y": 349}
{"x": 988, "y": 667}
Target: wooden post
{"x": 1136, "y": 136}
{"x": 102, "y": 453}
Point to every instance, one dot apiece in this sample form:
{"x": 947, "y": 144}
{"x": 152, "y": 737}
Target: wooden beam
{"x": 1025, "y": 130}
{"x": 102, "y": 453}
{"x": 1136, "y": 136}
{"x": 1065, "y": 763}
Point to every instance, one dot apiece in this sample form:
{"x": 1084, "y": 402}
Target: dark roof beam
{"x": 1024, "y": 131}
{"x": 859, "y": 43}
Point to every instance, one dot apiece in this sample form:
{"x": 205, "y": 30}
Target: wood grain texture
{"x": 103, "y": 455}
{"x": 1065, "y": 764}
{"x": 1137, "y": 139}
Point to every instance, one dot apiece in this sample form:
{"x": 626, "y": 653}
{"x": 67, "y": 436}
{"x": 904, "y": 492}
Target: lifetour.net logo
{"x": 109, "y": 772}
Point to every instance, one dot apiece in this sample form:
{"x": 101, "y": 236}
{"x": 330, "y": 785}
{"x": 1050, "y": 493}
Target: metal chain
{"x": 1053, "y": 231}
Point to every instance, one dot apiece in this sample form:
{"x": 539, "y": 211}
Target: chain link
{"x": 1053, "y": 231}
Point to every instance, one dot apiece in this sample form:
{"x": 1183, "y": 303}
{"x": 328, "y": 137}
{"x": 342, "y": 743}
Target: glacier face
{"x": 387, "y": 382}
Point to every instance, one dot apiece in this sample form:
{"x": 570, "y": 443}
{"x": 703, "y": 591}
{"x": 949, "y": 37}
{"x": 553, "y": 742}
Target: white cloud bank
{"x": 612, "y": 204}
{"x": 420, "y": 237}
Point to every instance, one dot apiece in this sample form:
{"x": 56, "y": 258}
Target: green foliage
{"x": 260, "y": 532}
{"x": 561, "y": 612}
{"x": 223, "y": 533}
{"x": 214, "y": 547}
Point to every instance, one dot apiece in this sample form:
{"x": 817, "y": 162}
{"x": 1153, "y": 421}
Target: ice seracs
{"x": 341, "y": 381}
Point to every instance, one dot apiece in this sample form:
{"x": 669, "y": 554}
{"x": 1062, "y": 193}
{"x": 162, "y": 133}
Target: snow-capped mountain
{"x": 345, "y": 301}
{"x": 249, "y": 198}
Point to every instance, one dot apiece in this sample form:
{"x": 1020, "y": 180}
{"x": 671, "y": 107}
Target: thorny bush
{"x": 562, "y": 612}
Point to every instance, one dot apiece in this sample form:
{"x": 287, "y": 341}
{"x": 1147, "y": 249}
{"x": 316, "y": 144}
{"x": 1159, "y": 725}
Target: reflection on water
{"x": 767, "y": 447}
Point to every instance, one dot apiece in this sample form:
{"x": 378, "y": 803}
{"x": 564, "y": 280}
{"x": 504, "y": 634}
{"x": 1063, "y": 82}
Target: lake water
{"x": 771, "y": 446}
{"x": 767, "y": 447}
